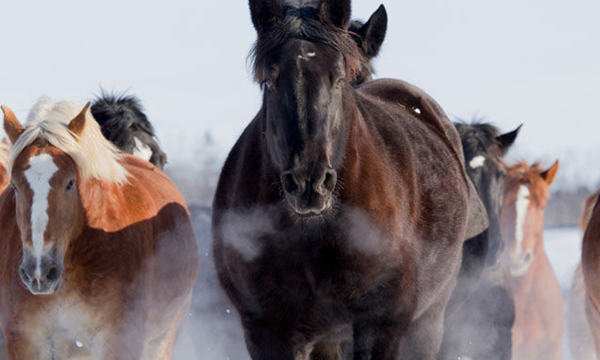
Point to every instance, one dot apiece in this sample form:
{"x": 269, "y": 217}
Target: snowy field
{"x": 212, "y": 330}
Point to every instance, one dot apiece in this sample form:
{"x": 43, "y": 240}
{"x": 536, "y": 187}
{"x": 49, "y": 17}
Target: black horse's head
{"x": 369, "y": 37}
{"x": 124, "y": 123}
{"x": 304, "y": 59}
{"x": 484, "y": 149}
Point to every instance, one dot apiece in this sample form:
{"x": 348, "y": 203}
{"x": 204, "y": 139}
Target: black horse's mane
{"x": 478, "y": 137}
{"x": 122, "y": 120}
{"x": 306, "y": 24}
{"x": 119, "y": 113}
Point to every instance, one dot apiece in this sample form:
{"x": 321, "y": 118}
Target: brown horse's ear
{"x": 12, "y": 126}
{"x": 78, "y": 123}
{"x": 550, "y": 174}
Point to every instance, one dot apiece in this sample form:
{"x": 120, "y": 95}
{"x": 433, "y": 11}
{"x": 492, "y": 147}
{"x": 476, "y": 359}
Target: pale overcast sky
{"x": 512, "y": 61}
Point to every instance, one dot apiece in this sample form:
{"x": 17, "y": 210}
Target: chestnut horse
{"x": 581, "y": 343}
{"x": 98, "y": 255}
{"x": 340, "y": 213}
{"x": 590, "y": 264}
{"x": 538, "y": 329}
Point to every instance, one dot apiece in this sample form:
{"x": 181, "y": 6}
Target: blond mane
{"x": 4, "y": 153}
{"x": 96, "y": 157}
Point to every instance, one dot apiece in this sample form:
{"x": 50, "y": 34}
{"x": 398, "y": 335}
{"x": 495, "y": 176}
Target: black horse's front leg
{"x": 379, "y": 339}
{"x": 267, "y": 344}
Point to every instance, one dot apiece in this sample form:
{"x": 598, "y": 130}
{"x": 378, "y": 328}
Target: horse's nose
{"x": 42, "y": 279}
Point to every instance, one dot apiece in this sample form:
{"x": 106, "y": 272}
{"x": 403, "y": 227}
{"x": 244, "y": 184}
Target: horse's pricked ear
{"x": 78, "y": 123}
{"x": 265, "y": 14}
{"x": 12, "y": 126}
{"x": 506, "y": 140}
{"x": 337, "y": 12}
{"x": 373, "y": 32}
{"x": 550, "y": 174}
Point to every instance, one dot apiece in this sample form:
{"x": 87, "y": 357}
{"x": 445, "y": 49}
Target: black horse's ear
{"x": 265, "y": 14}
{"x": 336, "y": 12}
{"x": 506, "y": 140}
{"x": 373, "y": 32}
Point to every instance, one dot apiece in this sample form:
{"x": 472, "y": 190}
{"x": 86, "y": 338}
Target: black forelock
{"x": 478, "y": 137}
{"x": 305, "y": 23}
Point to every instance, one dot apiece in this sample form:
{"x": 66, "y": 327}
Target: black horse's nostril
{"x": 289, "y": 183}
{"x": 326, "y": 183}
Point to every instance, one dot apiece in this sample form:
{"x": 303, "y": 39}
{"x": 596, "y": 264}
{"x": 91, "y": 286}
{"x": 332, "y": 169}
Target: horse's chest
{"x": 71, "y": 328}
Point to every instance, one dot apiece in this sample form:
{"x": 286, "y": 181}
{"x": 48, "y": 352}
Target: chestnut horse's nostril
{"x": 24, "y": 277}
{"x": 53, "y": 274}
{"x": 528, "y": 256}
{"x": 289, "y": 182}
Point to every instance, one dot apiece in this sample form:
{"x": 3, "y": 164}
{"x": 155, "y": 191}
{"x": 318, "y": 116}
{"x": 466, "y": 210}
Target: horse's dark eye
{"x": 268, "y": 84}
{"x": 70, "y": 185}
{"x": 14, "y": 188}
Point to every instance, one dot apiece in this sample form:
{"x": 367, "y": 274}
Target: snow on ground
{"x": 216, "y": 334}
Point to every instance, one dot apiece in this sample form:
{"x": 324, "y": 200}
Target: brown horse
{"x": 538, "y": 328}
{"x": 581, "y": 343}
{"x": 590, "y": 260}
{"x": 97, "y": 252}
{"x": 340, "y": 213}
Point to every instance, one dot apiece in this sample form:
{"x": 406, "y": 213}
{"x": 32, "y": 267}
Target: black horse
{"x": 340, "y": 213}
{"x": 369, "y": 37}
{"x": 124, "y": 123}
{"x": 480, "y": 327}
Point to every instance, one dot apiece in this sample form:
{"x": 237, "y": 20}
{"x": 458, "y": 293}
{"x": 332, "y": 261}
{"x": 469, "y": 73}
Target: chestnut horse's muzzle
{"x": 309, "y": 195}
{"x": 43, "y": 277}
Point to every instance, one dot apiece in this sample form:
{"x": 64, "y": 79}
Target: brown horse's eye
{"x": 70, "y": 185}
{"x": 14, "y": 188}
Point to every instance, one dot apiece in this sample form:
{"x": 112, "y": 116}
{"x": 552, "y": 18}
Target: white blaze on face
{"x": 522, "y": 205}
{"x": 41, "y": 169}
{"x": 477, "y": 162}
{"x": 142, "y": 150}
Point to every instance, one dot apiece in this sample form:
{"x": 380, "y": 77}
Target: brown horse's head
{"x": 304, "y": 59}
{"x": 522, "y": 218}
{"x": 45, "y": 169}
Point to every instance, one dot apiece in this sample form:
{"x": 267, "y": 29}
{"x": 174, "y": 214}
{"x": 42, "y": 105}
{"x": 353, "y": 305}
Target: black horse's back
{"x": 124, "y": 123}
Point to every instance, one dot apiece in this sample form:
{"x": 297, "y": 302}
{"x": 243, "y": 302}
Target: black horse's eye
{"x": 267, "y": 84}
{"x": 70, "y": 185}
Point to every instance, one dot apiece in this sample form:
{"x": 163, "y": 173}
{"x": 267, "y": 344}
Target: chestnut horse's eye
{"x": 70, "y": 185}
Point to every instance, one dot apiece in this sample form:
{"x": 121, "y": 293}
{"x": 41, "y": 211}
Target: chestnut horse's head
{"x": 304, "y": 59}
{"x": 60, "y": 147}
{"x": 522, "y": 219}
{"x": 4, "y": 151}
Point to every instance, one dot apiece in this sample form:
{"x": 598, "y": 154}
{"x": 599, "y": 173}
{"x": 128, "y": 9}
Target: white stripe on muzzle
{"x": 522, "y": 205}
{"x": 41, "y": 169}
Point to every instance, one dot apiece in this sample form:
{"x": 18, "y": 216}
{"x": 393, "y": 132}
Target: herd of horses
{"x": 352, "y": 220}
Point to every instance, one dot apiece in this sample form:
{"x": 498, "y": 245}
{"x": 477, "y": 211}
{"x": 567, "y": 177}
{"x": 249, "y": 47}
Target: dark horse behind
{"x": 340, "y": 214}
{"x": 124, "y": 123}
{"x": 480, "y": 326}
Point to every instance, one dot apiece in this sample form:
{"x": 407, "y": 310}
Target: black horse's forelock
{"x": 478, "y": 137}
{"x": 305, "y": 24}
